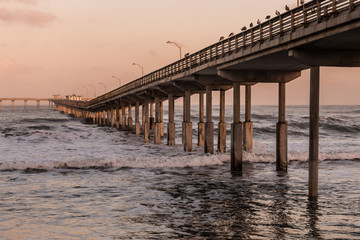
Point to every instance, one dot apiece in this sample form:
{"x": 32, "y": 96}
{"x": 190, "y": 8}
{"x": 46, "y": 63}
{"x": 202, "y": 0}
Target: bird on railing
{"x": 251, "y": 25}
{"x": 287, "y": 8}
{"x": 243, "y": 28}
{"x": 231, "y": 34}
{"x": 221, "y": 38}
{"x": 187, "y": 54}
{"x": 302, "y": 2}
{"x": 268, "y": 17}
{"x": 277, "y": 13}
{"x": 258, "y": 22}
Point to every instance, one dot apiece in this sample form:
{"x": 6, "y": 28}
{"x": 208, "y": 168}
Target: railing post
{"x": 281, "y": 25}
{"x": 292, "y": 21}
{"x": 305, "y": 18}
{"x": 318, "y": 10}
{"x": 270, "y": 30}
{"x": 334, "y": 6}
{"x": 351, "y": 5}
{"x": 244, "y": 40}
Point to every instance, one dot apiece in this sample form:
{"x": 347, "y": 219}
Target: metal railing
{"x": 301, "y": 16}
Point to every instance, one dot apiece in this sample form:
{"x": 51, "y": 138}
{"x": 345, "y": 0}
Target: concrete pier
{"x": 0, "y": 104}
{"x": 152, "y": 119}
{"x": 157, "y": 126}
{"x": 171, "y": 123}
{"x": 314, "y": 131}
{"x": 222, "y": 124}
{"x": 112, "y": 120}
{"x": 137, "y": 119}
{"x": 209, "y": 125}
{"x": 248, "y": 125}
{"x": 117, "y": 116}
{"x": 188, "y": 123}
{"x": 236, "y": 132}
{"x": 281, "y": 133}
{"x": 130, "y": 124}
{"x": 183, "y": 122}
{"x": 161, "y": 119}
{"x": 201, "y": 124}
{"x": 123, "y": 117}
{"x": 143, "y": 116}
{"x": 146, "y": 123}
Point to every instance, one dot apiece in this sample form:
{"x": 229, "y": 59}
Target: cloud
{"x": 26, "y": 16}
{"x": 20, "y": 1}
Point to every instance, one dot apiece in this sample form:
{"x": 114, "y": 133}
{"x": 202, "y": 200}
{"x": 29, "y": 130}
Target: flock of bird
{"x": 277, "y": 13}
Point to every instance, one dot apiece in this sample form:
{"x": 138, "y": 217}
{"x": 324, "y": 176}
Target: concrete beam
{"x": 250, "y": 77}
{"x": 328, "y": 57}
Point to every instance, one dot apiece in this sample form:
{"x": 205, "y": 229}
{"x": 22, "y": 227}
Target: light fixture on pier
{"x": 142, "y": 69}
{"x": 103, "y": 85}
{"x": 117, "y": 79}
{"x": 177, "y": 45}
{"x": 94, "y": 90}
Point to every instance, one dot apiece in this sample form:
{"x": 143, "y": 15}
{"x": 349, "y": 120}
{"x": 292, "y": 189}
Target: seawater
{"x": 63, "y": 179}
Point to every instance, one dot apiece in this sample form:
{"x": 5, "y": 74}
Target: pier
{"x": 26, "y": 100}
{"x": 317, "y": 33}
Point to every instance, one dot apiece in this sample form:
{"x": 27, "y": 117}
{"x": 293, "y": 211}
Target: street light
{"x": 87, "y": 92}
{"x": 94, "y": 90}
{"x": 117, "y": 79}
{"x": 142, "y": 69}
{"x": 177, "y": 45}
{"x": 80, "y": 91}
{"x": 103, "y": 85}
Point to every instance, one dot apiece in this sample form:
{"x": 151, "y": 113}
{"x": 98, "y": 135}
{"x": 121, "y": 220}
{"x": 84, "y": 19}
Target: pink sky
{"x": 60, "y": 46}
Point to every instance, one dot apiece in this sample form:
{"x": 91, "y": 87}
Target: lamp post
{"x": 117, "y": 79}
{"x": 87, "y": 92}
{"x": 177, "y": 45}
{"x": 142, "y": 69}
{"x": 103, "y": 85}
{"x": 94, "y": 90}
{"x": 80, "y": 91}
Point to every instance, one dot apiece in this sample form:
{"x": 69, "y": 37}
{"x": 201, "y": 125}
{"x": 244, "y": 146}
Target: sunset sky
{"x": 64, "y": 46}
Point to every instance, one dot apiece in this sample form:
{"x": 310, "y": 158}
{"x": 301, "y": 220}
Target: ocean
{"x": 61, "y": 178}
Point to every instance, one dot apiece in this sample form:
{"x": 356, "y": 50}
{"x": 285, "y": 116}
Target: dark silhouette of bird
{"x": 221, "y": 38}
{"x": 302, "y": 2}
{"x": 243, "y": 28}
{"x": 277, "y": 13}
{"x": 258, "y": 22}
{"x": 187, "y": 54}
{"x": 251, "y": 25}
{"x": 231, "y": 34}
{"x": 268, "y": 17}
{"x": 287, "y": 8}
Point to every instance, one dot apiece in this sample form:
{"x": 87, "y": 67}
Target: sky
{"x": 68, "y": 47}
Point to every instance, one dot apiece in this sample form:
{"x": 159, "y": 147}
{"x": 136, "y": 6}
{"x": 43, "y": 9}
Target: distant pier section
{"x": 26, "y": 100}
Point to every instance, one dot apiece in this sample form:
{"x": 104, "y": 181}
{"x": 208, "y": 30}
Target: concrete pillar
{"x": 104, "y": 118}
{"x": 201, "y": 124}
{"x": 112, "y": 120}
{"x": 152, "y": 119}
{"x": 209, "y": 125}
{"x": 0, "y": 104}
{"x": 12, "y": 104}
{"x": 171, "y": 124}
{"x": 108, "y": 119}
{"x": 236, "y": 133}
{"x": 123, "y": 116}
{"x": 143, "y": 116}
{"x": 93, "y": 117}
{"x": 117, "y": 116}
{"x": 188, "y": 124}
{"x": 25, "y": 104}
{"x": 130, "y": 127}
{"x": 314, "y": 132}
{"x": 222, "y": 124}
{"x": 49, "y": 105}
{"x": 248, "y": 125}
{"x": 137, "y": 119}
{"x": 157, "y": 132}
{"x": 281, "y": 133}
{"x": 146, "y": 122}
{"x": 183, "y": 122}
{"x": 161, "y": 119}
{"x": 38, "y": 105}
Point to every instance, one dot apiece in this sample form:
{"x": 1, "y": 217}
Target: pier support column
{"x": 123, "y": 117}
{"x": 38, "y": 105}
{"x": 161, "y": 119}
{"x": 171, "y": 124}
{"x": 188, "y": 123}
{"x": 137, "y": 121}
{"x": 222, "y": 124}
{"x": 146, "y": 123}
{"x": 314, "y": 132}
{"x": 0, "y": 104}
{"x": 236, "y": 133}
{"x": 143, "y": 116}
{"x": 201, "y": 124}
{"x": 117, "y": 116}
{"x": 281, "y": 133}
{"x": 183, "y": 122}
{"x": 209, "y": 125}
{"x": 157, "y": 126}
{"x": 248, "y": 125}
{"x": 25, "y": 104}
{"x": 93, "y": 117}
{"x": 130, "y": 127}
{"x": 112, "y": 117}
{"x": 12, "y": 104}
{"x": 104, "y": 118}
{"x": 152, "y": 119}
{"x": 108, "y": 120}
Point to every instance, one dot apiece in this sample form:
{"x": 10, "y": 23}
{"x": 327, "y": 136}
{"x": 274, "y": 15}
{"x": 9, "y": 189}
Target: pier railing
{"x": 313, "y": 11}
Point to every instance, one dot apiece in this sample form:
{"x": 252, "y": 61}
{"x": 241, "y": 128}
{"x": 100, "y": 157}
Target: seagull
{"x": 244, "y": 28}
{"x": 277, "y": 12}
{"x": 221, "y": 38}
{"x": 231, "y": 34}
{"x": 251, "y": 25}
{"x": 186, "y": 54}
{"x": 287, "y": 8}
{"x": 258, "y": 22}
{"x": 302, "y": 2}
{"x": 268, "y": 17}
